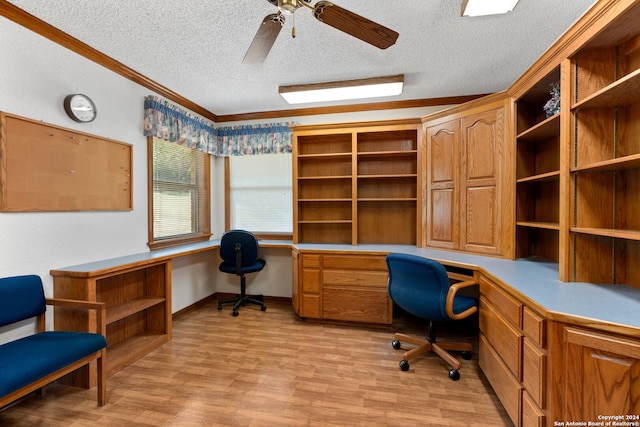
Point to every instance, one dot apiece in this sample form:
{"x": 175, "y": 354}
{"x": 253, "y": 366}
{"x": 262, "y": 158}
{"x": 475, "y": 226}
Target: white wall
{"x": 274, "y": 280}
{"x": 35, "y": 76}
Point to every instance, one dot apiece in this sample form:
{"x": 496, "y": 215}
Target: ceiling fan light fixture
{"x": 374, "y": 87}
{"x": 287, "y": 6}
{"x": 487, "y": 7}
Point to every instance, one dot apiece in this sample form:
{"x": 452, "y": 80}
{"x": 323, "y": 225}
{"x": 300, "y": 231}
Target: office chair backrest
{"x": 248, "y": 249}
{"x": 418, "y": 285}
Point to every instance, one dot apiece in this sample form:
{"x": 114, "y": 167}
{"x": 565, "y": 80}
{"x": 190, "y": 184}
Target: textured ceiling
{"x": 196, "y": 47}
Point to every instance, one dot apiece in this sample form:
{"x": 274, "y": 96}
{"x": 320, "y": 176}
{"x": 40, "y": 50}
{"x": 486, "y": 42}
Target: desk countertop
{"x": 105, "y": 266}
{"x": 536, "y": 279}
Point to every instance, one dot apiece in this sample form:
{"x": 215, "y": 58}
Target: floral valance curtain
{"x": 169, "y": 122}
{"x": 247, "y": 140}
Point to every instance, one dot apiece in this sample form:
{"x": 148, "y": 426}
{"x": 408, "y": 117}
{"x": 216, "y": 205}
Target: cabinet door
{"x": 601, "y": 375}
{"x": 310, "y": 286}
{"x": 295, "y": 293}
{"x": 482, "y": 139}
{"x": 442, "y": 178}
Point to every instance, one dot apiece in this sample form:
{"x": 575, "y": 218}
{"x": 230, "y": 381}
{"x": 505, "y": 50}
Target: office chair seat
{"x": 422, "y": 288}
{"x": 239, "y": 253}
{"x": 227, "y": 267}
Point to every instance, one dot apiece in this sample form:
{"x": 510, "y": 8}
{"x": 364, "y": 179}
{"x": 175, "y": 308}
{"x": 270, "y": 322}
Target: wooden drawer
{"x": 508, "y": 306}
{"x": 355, "y": 262}
{"x": 310, "y": 305}
{"x": 532, "y": 415}
{"x": 503, "y": 336}
{"x": 534, "y": 371}
{"x": 311, "y": 260}
{"x": 311, "y": 280}
{"x": 356, "y": 304}
{"x": 506, "y": 386}
{"x": 375, "y": 279}
{"x": 534, "y": 326}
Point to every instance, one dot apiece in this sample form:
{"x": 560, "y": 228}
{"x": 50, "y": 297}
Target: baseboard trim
{"x": 222, "y": 295}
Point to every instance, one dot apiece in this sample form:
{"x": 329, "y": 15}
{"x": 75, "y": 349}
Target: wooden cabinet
{"x": 506, "y": 386}
{"x": 500, "y": 345}
{"x": 595, "y": 373}
{"x": 310, "y": 286}
{"x": 138, "y": 299}
{"x": 513, "y": 354}
{"x": 353, "y": 288}
{"x": 481, "y": 201}
{"x": 605, "y": 156}
{"x": 465, "y": 163}
{"x": 443, "y": 146}
{"x": 534, "y": 369}
{"x": 538, "y": 172}
{"x": 295, "y": 273}
{"x": 357, "y": 183}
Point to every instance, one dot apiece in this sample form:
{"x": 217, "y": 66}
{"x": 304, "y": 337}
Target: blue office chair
{"x": 239, "y": 253}
{"x": 421, "y": 287}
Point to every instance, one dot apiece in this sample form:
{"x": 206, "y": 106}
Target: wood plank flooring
{"x": 273, "y": 369}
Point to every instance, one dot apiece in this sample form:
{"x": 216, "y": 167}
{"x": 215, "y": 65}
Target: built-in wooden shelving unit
{"x": 357, "y": 183}
{"x": 538, "y": 173}
{"x": 605, "y": 157}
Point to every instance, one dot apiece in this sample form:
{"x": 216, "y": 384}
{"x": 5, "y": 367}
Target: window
{"x": 179, "y": 208}
{"x": 260, "y": 193}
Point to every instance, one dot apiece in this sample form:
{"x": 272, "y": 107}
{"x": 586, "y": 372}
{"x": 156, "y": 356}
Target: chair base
{"x": 243, "y": 300}
{"x": 440, "y": 348}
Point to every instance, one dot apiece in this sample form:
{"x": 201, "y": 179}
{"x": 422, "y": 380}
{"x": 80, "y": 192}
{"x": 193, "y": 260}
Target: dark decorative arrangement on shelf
{"x": 552, "y": 107}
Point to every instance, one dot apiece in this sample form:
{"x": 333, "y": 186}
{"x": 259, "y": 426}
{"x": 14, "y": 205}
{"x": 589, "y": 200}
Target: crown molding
{"x": 58, "y": 36}
{"x": 25, "y": 19}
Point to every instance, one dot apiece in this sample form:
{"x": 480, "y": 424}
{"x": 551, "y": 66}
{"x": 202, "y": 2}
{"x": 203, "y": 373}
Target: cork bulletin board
{"x": 48, "y": 168}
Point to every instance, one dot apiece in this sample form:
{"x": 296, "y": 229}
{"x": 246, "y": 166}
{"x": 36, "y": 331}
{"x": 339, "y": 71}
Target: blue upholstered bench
{"x": 28, "y": 364}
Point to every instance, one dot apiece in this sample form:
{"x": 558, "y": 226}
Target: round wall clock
{"x": 80, "y": 108}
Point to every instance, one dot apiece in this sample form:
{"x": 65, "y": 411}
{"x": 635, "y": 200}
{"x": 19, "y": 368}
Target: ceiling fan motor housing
{"x": 275, "y": 2}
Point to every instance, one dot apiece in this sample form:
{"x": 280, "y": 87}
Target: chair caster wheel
{"x": 404, "y": 365}
{"x": 454, "y": 374}
{"x": 466, "y": 355}
{"x": 396, "y": 344}
{"x": 234, "y": 313}
{"x": 263, "y": 308}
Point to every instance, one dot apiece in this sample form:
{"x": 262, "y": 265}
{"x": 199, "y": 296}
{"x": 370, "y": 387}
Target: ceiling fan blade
{"x": 355, "y": 25}
{"x": 264, "y": 38}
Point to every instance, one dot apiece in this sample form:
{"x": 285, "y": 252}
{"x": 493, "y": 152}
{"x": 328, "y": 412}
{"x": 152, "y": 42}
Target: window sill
{"x": 167, "y": 243}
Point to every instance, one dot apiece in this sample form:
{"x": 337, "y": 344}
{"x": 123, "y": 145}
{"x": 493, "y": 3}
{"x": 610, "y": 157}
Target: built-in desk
{"x": 534, "y": 280}
{"x": 552, "y": 351}
{"x": 546, "y": 346}
{"x": 137, "y": 291}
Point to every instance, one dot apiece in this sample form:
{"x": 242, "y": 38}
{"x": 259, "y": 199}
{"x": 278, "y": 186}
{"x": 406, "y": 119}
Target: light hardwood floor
{"x": 273, "y": 369}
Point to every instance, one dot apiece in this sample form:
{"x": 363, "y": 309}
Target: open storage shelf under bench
{"x": 138, "y": 303}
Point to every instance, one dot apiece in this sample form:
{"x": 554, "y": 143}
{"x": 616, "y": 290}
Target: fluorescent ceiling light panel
{"x": 487, "y": 7}
{"x": 343, "y": 90}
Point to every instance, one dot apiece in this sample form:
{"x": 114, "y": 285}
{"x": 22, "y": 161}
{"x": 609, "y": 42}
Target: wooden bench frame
{"x": 100, "y": 356}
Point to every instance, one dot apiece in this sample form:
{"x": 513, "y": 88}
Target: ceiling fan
{"x": 324, "y": 11}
